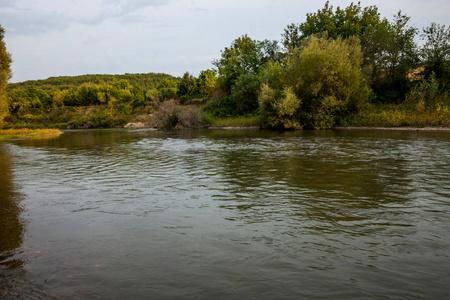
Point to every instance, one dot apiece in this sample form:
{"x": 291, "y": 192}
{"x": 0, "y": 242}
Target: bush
{"x": 171, "y": 115}
{"x": 245, "y": 94}
{"x": 322, "y": 82}
{"x": 427, "y": 96}
{"x": 224, "y": 107}
{"x": 327, "y": 76}
{"x": 281, "y": 110}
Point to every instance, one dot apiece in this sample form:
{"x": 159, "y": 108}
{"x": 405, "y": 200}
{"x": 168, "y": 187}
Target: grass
{"x": 397, "y": 116}
{"x": 6, "y": 134}
{"x": 237, "y": 122}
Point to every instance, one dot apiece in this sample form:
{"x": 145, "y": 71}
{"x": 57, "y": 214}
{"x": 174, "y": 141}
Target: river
{"x": 211, "y": 214}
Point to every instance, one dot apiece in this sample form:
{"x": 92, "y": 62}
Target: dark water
{"x": 141, "y": 214}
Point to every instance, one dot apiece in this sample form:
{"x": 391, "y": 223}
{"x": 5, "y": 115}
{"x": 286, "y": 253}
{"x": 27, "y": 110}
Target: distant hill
{"x": 147, "y": 81}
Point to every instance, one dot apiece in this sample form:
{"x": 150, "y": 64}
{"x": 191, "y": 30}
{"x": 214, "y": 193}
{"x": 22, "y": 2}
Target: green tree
{"x": 435, "y": 53}
{"x": 350, "y": 21}
{"x": 206, "y": 82}
{"x": 322, "y": 82}
{"x": 5, "y": 74}
{"x": 104, "y": 95}
{"x": 187, "y": 86}
{"x": 245, "y": 94}
{"x": 242, "y": 57}
{"x": 167, "y": 89}
{"x": 389, "y": 50}
{"x": 281, "y": 107}
{"x": 270, "y": 51}
{"x": 398, "y": 59}
{"x": 87, "y": 94}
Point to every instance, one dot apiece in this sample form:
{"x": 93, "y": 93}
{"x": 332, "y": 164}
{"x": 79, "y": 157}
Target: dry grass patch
{"x": 25, "y": 132}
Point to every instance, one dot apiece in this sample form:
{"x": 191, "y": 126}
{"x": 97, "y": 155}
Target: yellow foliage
{"x": 25, "y": 132}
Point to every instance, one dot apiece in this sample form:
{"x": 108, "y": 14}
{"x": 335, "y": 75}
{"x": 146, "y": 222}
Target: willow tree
{"x": 5, "y": 74}
{"x": 323, "y": 81}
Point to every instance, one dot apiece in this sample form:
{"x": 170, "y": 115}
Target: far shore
{"x": 405, "y": 128}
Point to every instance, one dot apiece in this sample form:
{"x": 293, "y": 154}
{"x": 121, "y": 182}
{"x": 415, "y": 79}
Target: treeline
{"x": 56, "y": 101}
{"x": 339, "y": 67}
{"x": 115, "y": 99}
{"x": 147, "y": 81}
{"x": 343, "y": 66}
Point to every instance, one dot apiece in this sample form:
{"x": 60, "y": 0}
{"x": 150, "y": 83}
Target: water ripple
{"x": 120, "y": 213}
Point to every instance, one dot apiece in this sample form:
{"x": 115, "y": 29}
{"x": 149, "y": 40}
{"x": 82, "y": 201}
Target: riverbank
{"x": 379, "y": 118}
{"x": 6, "y": 134}
{"x": 406, "y": 128}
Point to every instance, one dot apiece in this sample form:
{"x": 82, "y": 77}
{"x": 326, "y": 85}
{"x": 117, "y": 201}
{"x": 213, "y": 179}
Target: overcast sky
{"x": 74, "y": 37}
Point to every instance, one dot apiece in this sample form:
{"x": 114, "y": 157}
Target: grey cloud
{"x": 24, "y": 21}
{"x": 132, "y": 5}
{"x": 124, "y": 8}
{"x": 7, "y": 3}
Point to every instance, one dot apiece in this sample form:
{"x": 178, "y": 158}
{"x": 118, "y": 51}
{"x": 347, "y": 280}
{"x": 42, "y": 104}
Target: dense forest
{"x": 341, "y": 67}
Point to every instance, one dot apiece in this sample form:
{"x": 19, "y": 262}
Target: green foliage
{"x": 270, "y": 52}
{"x": 244, "y": 56}
{"x": 390, "y": 115}
{"x": 104, "y": 118}
{"x": 240, "y": 121}
{"x": 167, "y": 89}
{"x": 281, "y": 109}
{"x": 399, "y": 59}
{"x": 350, "y": 21}
{"x": 322, "y": 82}
{"x": 5, "y": 74}
{"x": 206, "y": 82}
{"x": 427, "y": 96}
{"x": 223, "y": 107}
{"x": 436, "y": 52}
{"x": 245, "y": 94}
{"x": 147, "y": 81}
{"x": 389, "y": 49}
{"x": 105, "y": 104}
{"x": 187, "y": 87}
{"x": 45, "y": 102}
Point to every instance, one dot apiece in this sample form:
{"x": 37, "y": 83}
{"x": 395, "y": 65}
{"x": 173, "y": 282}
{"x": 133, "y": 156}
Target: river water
{"x": 144, "y": 214}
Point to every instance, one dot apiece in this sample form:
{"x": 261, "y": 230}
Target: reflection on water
{"x": 11, "y": 228}
{"x": 232, "y": 214}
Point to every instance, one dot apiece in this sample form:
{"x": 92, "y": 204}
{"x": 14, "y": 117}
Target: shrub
{"x": 322, "y": 82}
{"x": 245, "y": 94}
{"x": 281, "y": 110}
{"x": 427, "y": 95}
{"x": 171, "y": 115}
{"x": 224, "y": 107}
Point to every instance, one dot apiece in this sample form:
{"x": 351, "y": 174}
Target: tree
{"x": 270, "y": 51}
{"x": 187, "y": 86}
{"x": 242, "y": 57}
{"x": 206, "y": 82}
{"x": 245, "y": 93}
{"x": 322, "y": 82}
{"x": 389, "y": 50}
{"x": 5, "y": 74}
{"x": 351, "y": 21}
{"x": 435, "y": 53}
{"x": 398, "y": 59}
{"x": 167, "y": 89}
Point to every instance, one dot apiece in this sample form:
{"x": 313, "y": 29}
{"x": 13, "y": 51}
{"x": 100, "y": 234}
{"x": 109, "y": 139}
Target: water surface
{"x": 143, "y": 214}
